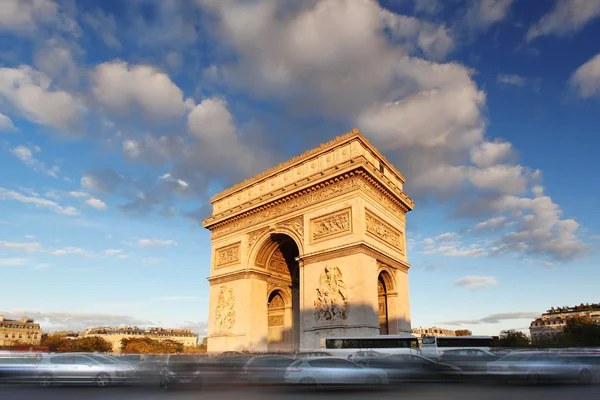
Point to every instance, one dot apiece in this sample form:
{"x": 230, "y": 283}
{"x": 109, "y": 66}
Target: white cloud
{"x": 152, "y": 260}
{"x": 25, "y": 154}
{"x": 449, "y": 236}
{"x": 23, "y": 16}
{"x": 567, "y": 17}
{"x": 475, "y": 282}
{"x": 112, "y": 252}
{"x": 72, "y": 250}
{"x": 492, "y": 224}
{"x": 13, "y": 262}
{"x": 78, "y": 194}
{"x": 586, "y": 79}
{"x": 104, "y": 25}
{"x": 51, "y": 321}
{"x": 122, "y": 88}
{"x": 6, "y": 194}
{"x": 6, "y": 124}
{"x": 155, "y": 242}
{"x": 481, "y": 14}
{"x": 509, "y": 179}
{"x": 487, "y": 154}
{"x": 30, "y": 93}
{"x": 449, "y": 244}
{"x": 28, "y": 247}
{"x": 122, "y": 256}
{"x": 494, "y": 318}
{"x": 96, "y": 204}
{"x": 29, "y": 237}
{"x": 508, "y": 79}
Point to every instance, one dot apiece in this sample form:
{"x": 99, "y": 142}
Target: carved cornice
{"x": 355, "y": 133}
{"x": 356, "y": 179}
{"x": 238, "y": 275}
{"x": 356, "y": 248}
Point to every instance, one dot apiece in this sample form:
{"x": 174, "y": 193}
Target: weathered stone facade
{"x": 311, "y": 248}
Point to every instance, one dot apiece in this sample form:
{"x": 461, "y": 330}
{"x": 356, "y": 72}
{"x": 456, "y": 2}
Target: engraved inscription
{"x": 331, "y": 304}
{"x": 384, "y": 231}
{"x": 225, "y": 311}
{"x": 329, "y": 225}
{"x": 228, "y": 255}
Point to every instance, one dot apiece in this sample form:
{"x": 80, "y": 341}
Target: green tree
{"x": 92, "y": 344}
{"x": 513, "y": 338}
{"x": 581, "y": 332}
{"x": 463, "y": 332}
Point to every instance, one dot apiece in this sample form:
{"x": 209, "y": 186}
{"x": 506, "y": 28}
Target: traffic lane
{"x": 420, "y": 391}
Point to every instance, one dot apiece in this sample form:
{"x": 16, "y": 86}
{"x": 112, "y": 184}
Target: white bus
{"x": 387, "y": 344}
{"x": 434, "y": 346}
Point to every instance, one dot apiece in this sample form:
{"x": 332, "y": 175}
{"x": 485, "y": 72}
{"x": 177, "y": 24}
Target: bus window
{"x": 428, "y": 340}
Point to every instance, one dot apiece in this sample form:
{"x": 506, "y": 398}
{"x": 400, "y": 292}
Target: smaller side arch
{"x": 386, "y": 274}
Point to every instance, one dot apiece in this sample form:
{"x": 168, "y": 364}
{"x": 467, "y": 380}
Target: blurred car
{"x": 362, "y": 357}
{"x": 409, "y": 367}
{"x": 471, "y": 361}
{"x": 180, "y": 369}
{"x": 301, "y": 355}
{"x": 537, "y": 366}
{"x": 18, "y": 367}
{"x": 81, "y": 368}
{"x": 265, "y": 369}
{"x": 333, "y": 371}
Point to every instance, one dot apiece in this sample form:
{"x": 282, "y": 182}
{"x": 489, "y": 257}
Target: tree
{"x": 463, "y": 332}
{"x": 150, "y": 346}
{"x": 91, "y": 344}
{"x": 513, "y": 338}
{"x": 56, "y": 343}
{"x": 581, "y": 332}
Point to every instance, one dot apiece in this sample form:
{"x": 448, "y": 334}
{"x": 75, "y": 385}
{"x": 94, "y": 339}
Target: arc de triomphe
{"x": 314, "y": 247}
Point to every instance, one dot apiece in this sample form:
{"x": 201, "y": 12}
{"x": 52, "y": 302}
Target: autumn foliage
{"x": 150, "y": 346}
{"x": 60, "y": 344}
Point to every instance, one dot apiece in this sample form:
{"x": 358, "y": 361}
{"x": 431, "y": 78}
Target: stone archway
{"x": 383, "y": 285}
{"x": 297, "y": 249}
{"x": 283, "y": 291}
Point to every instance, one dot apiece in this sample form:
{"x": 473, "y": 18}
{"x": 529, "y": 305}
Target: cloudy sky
{"x": 119, "y": 120}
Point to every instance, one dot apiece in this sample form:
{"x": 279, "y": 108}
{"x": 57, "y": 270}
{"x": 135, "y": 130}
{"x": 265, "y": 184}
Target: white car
{"x": 333, "y": 371}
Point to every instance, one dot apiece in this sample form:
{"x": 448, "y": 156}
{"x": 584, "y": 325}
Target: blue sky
{"x": 119, "y": 121}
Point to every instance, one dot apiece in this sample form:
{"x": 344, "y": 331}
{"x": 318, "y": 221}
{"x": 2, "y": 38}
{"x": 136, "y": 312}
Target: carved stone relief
{"x": 295, "y": 224}
{"x": 333, "y": 224}
{"x": 384, "y": 231}
{"x": 253, "y": 236}
{"x": 275, "y": 320}
{"x": 225, "y": 311}
{"x": 276, "y": 302}
{"x": 228, "y": 255}
{"x": 331, "y": 304}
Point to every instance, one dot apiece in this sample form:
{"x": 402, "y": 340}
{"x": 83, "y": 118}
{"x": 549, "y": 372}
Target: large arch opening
{"x": 384, "y": 286}
{"x": 283, "y": 292}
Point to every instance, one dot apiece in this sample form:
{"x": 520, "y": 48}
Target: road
{"x": 415, "y": 391}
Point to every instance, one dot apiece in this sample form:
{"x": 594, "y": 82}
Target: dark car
{"x": 265, "y": 369}
{"x": 471, "y": 361}
{"x": 180, "y": 369}
{"x": 409, "y": 367}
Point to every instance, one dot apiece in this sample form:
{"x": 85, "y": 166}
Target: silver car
{"x": 536, "y": 366}
{"x": 81, "y": 368}
{"x": 333, "y": 371}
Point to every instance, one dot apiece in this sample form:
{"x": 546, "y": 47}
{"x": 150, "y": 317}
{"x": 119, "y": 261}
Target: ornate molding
{"x": 296, "y": 225}
{"x": 384, "y": 231}
{"x": 331, "y": 304}
{"x": 320, "y": 192}
{"x": 225, "y": 311}
{"x": 275, "y": 320}
{"x": 228, "y": 255}
{"x": 335, "y": 224}
{"x": 238, "y": 275}
{"x": 253, "y": 236}
{"x": 356, "y": 248}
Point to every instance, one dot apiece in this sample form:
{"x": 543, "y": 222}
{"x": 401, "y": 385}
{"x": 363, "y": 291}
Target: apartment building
{"x": 115, "y": 335}
{"x": 548, "y": 327}
{"x": 23, "y": 331}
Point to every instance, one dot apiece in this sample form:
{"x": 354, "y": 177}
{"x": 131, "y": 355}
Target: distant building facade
{"x": 548, "y": 327}
{"x": 115, "y": 335}
{"x": 432, "y": 331}
{"x": 23, "y": 331}
{"x": 69, "y": 335}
